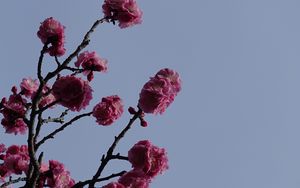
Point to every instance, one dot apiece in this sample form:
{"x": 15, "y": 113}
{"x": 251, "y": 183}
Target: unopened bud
{"x": 14, "y": 90}
{"x": 144, "y": 123}
{"x": 131, "y": 110}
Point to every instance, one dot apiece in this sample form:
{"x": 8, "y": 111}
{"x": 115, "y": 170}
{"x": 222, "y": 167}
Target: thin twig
{"x": 81, "y": 184}
{"x": 109, "y": 154}
{"x": 40, "y": 62}
{"x": 119, "y": 157}
{"x": 57, "y": 61}
{"x": 41, "y": 110}
{"x": 54, "y": 120}
{"x": 51, "y": 135}
{"x": 74, "y": 69}
{"x": 12, "y": 182}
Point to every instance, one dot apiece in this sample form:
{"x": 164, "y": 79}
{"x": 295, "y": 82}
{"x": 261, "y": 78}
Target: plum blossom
{"x": 114, "y": 185}
{"x": 29, "y": 86}
{"x": 15, "y": 161}
{"x": 47, "y": 100}
{"x": 108, "y": 110}
{"x": 125, "y": 11}
{"x": 56, "y": 176}
{"x": 172, "y": 76}
{"x": 135, "y": 179}
{"x": 90, "y": 62}
{"x": 13, "y": 111}
{"x": 52, "y": 32}
{"x": 72, "y": 92}
{"x": 160, "y": 91}
{"x": 148, "y": 158}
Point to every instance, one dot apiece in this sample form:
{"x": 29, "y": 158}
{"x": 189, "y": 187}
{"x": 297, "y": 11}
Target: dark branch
{"x": 120, "y": 157}
{"x": 74, "y": 69}
{"x": 47, "y": 106}
{"x": 81, "y": 184}
{"x": 12, "y": 182}
{"x": 57, "y": 61}
{"x": 33, "y": 172}
{"x": 40, "y": 62}
{"x": 109, "y": 154}
{"x": 51, "y": 135}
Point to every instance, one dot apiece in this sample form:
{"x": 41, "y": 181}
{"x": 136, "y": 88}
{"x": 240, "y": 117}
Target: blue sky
{"x": 235, "y": 123}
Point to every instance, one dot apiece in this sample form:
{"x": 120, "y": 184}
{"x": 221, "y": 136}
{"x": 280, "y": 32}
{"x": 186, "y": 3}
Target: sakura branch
{"x": 81, "y": 184}
{"x": 109, "y": 154}
{"x": 12, "y": 181}
{"x": 51, "y": 135}
{"x": 23, "y": 111}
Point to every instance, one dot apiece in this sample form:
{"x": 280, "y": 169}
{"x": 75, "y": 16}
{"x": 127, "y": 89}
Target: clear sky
{"x": 235, "y": 123}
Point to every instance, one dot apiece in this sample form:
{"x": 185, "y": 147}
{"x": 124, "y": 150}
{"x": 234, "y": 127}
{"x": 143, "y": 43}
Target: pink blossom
{"x": 72, "y": 92}
{"x": 29, "y": 86}
{"x": 13, "y": 112}
{"x": 148, "y": 158}
{"x": 160, "y": 91}
{"x": 46, "y": 100}
{"x": 114, "y": 185}
{"x": 57, "y": 176}
{"x": 3, "y": 173}
{"x": 108, "y": 110}
{"x": 52, "y": 32}
{"x": 47, "y": 97}
{"x": 90, "y": 62}
{"x": 135, "y": 179}
{"x": 172, "y": 76}
{"x": 125, "y": 11}
{"x": 15, "y": 161}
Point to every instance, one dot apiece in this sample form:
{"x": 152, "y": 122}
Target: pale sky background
{"x": 236, "y": 122}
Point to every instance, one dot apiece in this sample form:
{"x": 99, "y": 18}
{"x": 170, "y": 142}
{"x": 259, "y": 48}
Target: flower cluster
{"x": 13, "y": 111}
{"x": 72, "y": 92}
{"x": 29, "y": 87}
{"x": 159, "y": 92}
{"x": 147, "y": 161}
{"x": 148, "y": 158}
{"x": 75, "y": 94}
{"x": 90, "y": 62}
{"x": 55, "y": 176}
{"x": 15, "y": 160}
{"x": 125, "y": 11}
{"x": 108, "y": 110}
{"x": 52, "y": 32}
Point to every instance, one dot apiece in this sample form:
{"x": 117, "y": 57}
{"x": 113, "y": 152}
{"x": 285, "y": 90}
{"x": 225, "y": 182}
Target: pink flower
{"x": 46, "y": 100}
{"x": 90, "y": 62}
{"x": 52, "y": 32}
{"x": 148, "y": 158}
{"x": 57, "y": 176}
{"x": 72, "y": 92}
{"x": 114, "y": 185}
{"x": 108, "y": 110}
{"x": 134, "y": 179}
{"x": 13, "y": 112}
{"x": 15, "y": 161}
{"x": 29, "y": 86}
{"x": 172, "y": 76}
{"x": 160, "y": 91}
{"x": 125, "y": 11}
